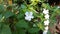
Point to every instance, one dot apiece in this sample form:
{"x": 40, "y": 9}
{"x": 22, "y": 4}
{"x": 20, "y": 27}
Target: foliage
{"x": 12, "y": 17}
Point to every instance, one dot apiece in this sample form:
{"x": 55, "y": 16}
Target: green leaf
{"x": 1, "y": 16}
{"x": 5, "y": 29}
{"x": 21, "y": 31}
{"x": 20, "y": 16}
{"x": 33, "y": 30}
{"x": 41, "y": 26}
{"x": 0, "y": 26}
{"x": 1, "y": 8}
{"x": 8, "y": 14}
{"x": 22, "y": 24}
{"x": 46, "y": 6}
{"x": 23, "y": 6}
{"x": 48, "y": 32}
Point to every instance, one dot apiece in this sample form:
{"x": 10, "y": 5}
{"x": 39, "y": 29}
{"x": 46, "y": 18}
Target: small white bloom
{"x": 46, "y": 16}
{"x": 45, "y": 11}
{"x": 45, "y": 32}
{"x": 46, "y": 22}
{"x": 29, "y": 16}
{"x": 46, "y": 28}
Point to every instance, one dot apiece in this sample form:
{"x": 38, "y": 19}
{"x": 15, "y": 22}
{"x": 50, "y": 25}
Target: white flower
{"x": 46, "y": 16}
{"x": 46, "y": 28}
{"x": 45, "y": 11}
{"x": 29, "y": 16}
{"x": 46, "y": 22}
{"x": 45, "y": 32}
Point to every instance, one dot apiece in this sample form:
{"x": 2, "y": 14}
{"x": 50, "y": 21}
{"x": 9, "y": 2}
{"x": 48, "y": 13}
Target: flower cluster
{"x": 29, "y": 16}
{"x": 46, "y": 22}
{"x": 46, "y": 12}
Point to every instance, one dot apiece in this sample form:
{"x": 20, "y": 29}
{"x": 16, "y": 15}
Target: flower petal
{"x": 26, "y": 13}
